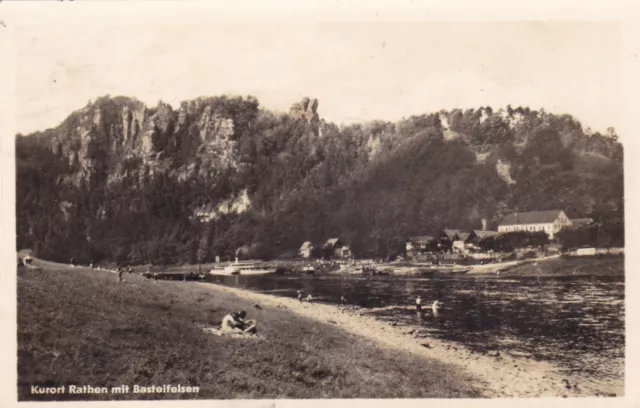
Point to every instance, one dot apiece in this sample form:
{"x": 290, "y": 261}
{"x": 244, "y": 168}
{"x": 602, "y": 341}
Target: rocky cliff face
{"x": 110, "y": 133}
{"x": 307, "y": 109}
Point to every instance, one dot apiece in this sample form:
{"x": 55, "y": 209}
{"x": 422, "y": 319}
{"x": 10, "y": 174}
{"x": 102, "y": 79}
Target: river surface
{"x": 575, "y": 322}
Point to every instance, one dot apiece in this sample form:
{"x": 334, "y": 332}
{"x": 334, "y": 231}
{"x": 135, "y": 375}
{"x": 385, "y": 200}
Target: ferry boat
{"x": 243, "y": 268}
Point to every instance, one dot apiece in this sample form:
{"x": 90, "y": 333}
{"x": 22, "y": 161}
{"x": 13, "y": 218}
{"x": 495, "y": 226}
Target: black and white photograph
{"x": 304, "y": 209}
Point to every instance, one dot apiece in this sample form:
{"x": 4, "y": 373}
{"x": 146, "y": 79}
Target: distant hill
{"x": 121, "y": 181}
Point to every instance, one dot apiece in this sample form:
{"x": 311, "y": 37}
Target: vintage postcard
{"x": 279, "y": 204}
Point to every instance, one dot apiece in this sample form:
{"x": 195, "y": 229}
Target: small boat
{"x": 309, "y": 270}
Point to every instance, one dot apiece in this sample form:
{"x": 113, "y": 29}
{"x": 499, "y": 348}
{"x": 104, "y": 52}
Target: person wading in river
{"x": 435, "y": 307}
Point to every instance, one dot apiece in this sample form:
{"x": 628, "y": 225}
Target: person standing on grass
{"x": 120, "y": 271}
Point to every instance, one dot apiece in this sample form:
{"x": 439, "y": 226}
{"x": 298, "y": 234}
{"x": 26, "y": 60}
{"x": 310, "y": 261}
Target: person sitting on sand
{"x": 309, "y": 298}
{"x": 235, "y": 322}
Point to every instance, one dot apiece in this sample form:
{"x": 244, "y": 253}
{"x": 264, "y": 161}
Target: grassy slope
{"x": 78, "y": 326}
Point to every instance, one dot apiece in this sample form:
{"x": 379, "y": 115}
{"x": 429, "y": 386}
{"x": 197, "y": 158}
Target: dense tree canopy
{"x": 123, "y": 182}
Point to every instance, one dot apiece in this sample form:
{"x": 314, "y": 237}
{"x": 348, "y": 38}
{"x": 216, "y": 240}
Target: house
{"x": 450, "y": 235}
{"x": 475, "y": 236}
{"x": 548, "y": 221}
{"x": 343, "y": 252}
{"x": 306, "y": 250}
{"x": 335, "y": 248}
{"x": 462, "y": 239}
{"x": 447, "y": 238}
{"x": 420, "y": 243}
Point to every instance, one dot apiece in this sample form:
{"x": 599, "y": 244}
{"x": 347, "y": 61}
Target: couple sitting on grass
{"x": 236, "y": 323}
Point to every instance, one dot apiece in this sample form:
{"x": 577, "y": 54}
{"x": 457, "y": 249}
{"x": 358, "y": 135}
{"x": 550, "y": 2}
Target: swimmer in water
{"x": 435, "y": 307}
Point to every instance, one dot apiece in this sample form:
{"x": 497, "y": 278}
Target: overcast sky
{"x": 358, "y": 71}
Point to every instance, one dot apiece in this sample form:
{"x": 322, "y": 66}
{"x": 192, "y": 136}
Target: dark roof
{"x": 451, "y": 233}
{"x": 332, "y": 242}
{"x": 533, "y": 217}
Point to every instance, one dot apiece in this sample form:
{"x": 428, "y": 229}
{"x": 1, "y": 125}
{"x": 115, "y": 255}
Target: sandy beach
{"x": 503, "y": 375}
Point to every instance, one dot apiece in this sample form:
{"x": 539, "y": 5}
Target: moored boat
{"x": 243, "y": 269}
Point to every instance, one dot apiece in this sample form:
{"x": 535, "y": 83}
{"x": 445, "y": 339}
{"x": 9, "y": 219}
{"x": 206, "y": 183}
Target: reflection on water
{"x": 577, "y": 322}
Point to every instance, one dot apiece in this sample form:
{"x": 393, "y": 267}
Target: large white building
{"x": 548, "y": 221}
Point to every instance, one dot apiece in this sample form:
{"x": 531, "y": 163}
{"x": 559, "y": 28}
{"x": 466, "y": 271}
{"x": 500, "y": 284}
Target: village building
{"x": 419, "y": 245}
{"x": 548, "y": 221}
{"x": 472, "y": 243}
{"x": 459, "y": 244}
{"x": 475, "y": 236}
{"x": 335, "y": 248}
{"x": 306, "y": 250}
{"x": 448, "y": 237}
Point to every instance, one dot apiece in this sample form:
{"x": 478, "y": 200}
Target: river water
{"x": 575, "y": 322}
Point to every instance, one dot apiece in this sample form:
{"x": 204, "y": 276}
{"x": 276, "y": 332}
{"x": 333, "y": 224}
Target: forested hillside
{"x": 121, "y": 181}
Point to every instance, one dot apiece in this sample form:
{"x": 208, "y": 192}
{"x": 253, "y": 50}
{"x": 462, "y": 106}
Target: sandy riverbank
{"x": 503, "y": 375}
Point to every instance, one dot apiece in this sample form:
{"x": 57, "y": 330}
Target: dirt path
{"x": 503, "y": 375}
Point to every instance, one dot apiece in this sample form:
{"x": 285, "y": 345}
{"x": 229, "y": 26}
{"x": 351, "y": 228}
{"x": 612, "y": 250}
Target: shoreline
{"x": 501, "y": 375}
